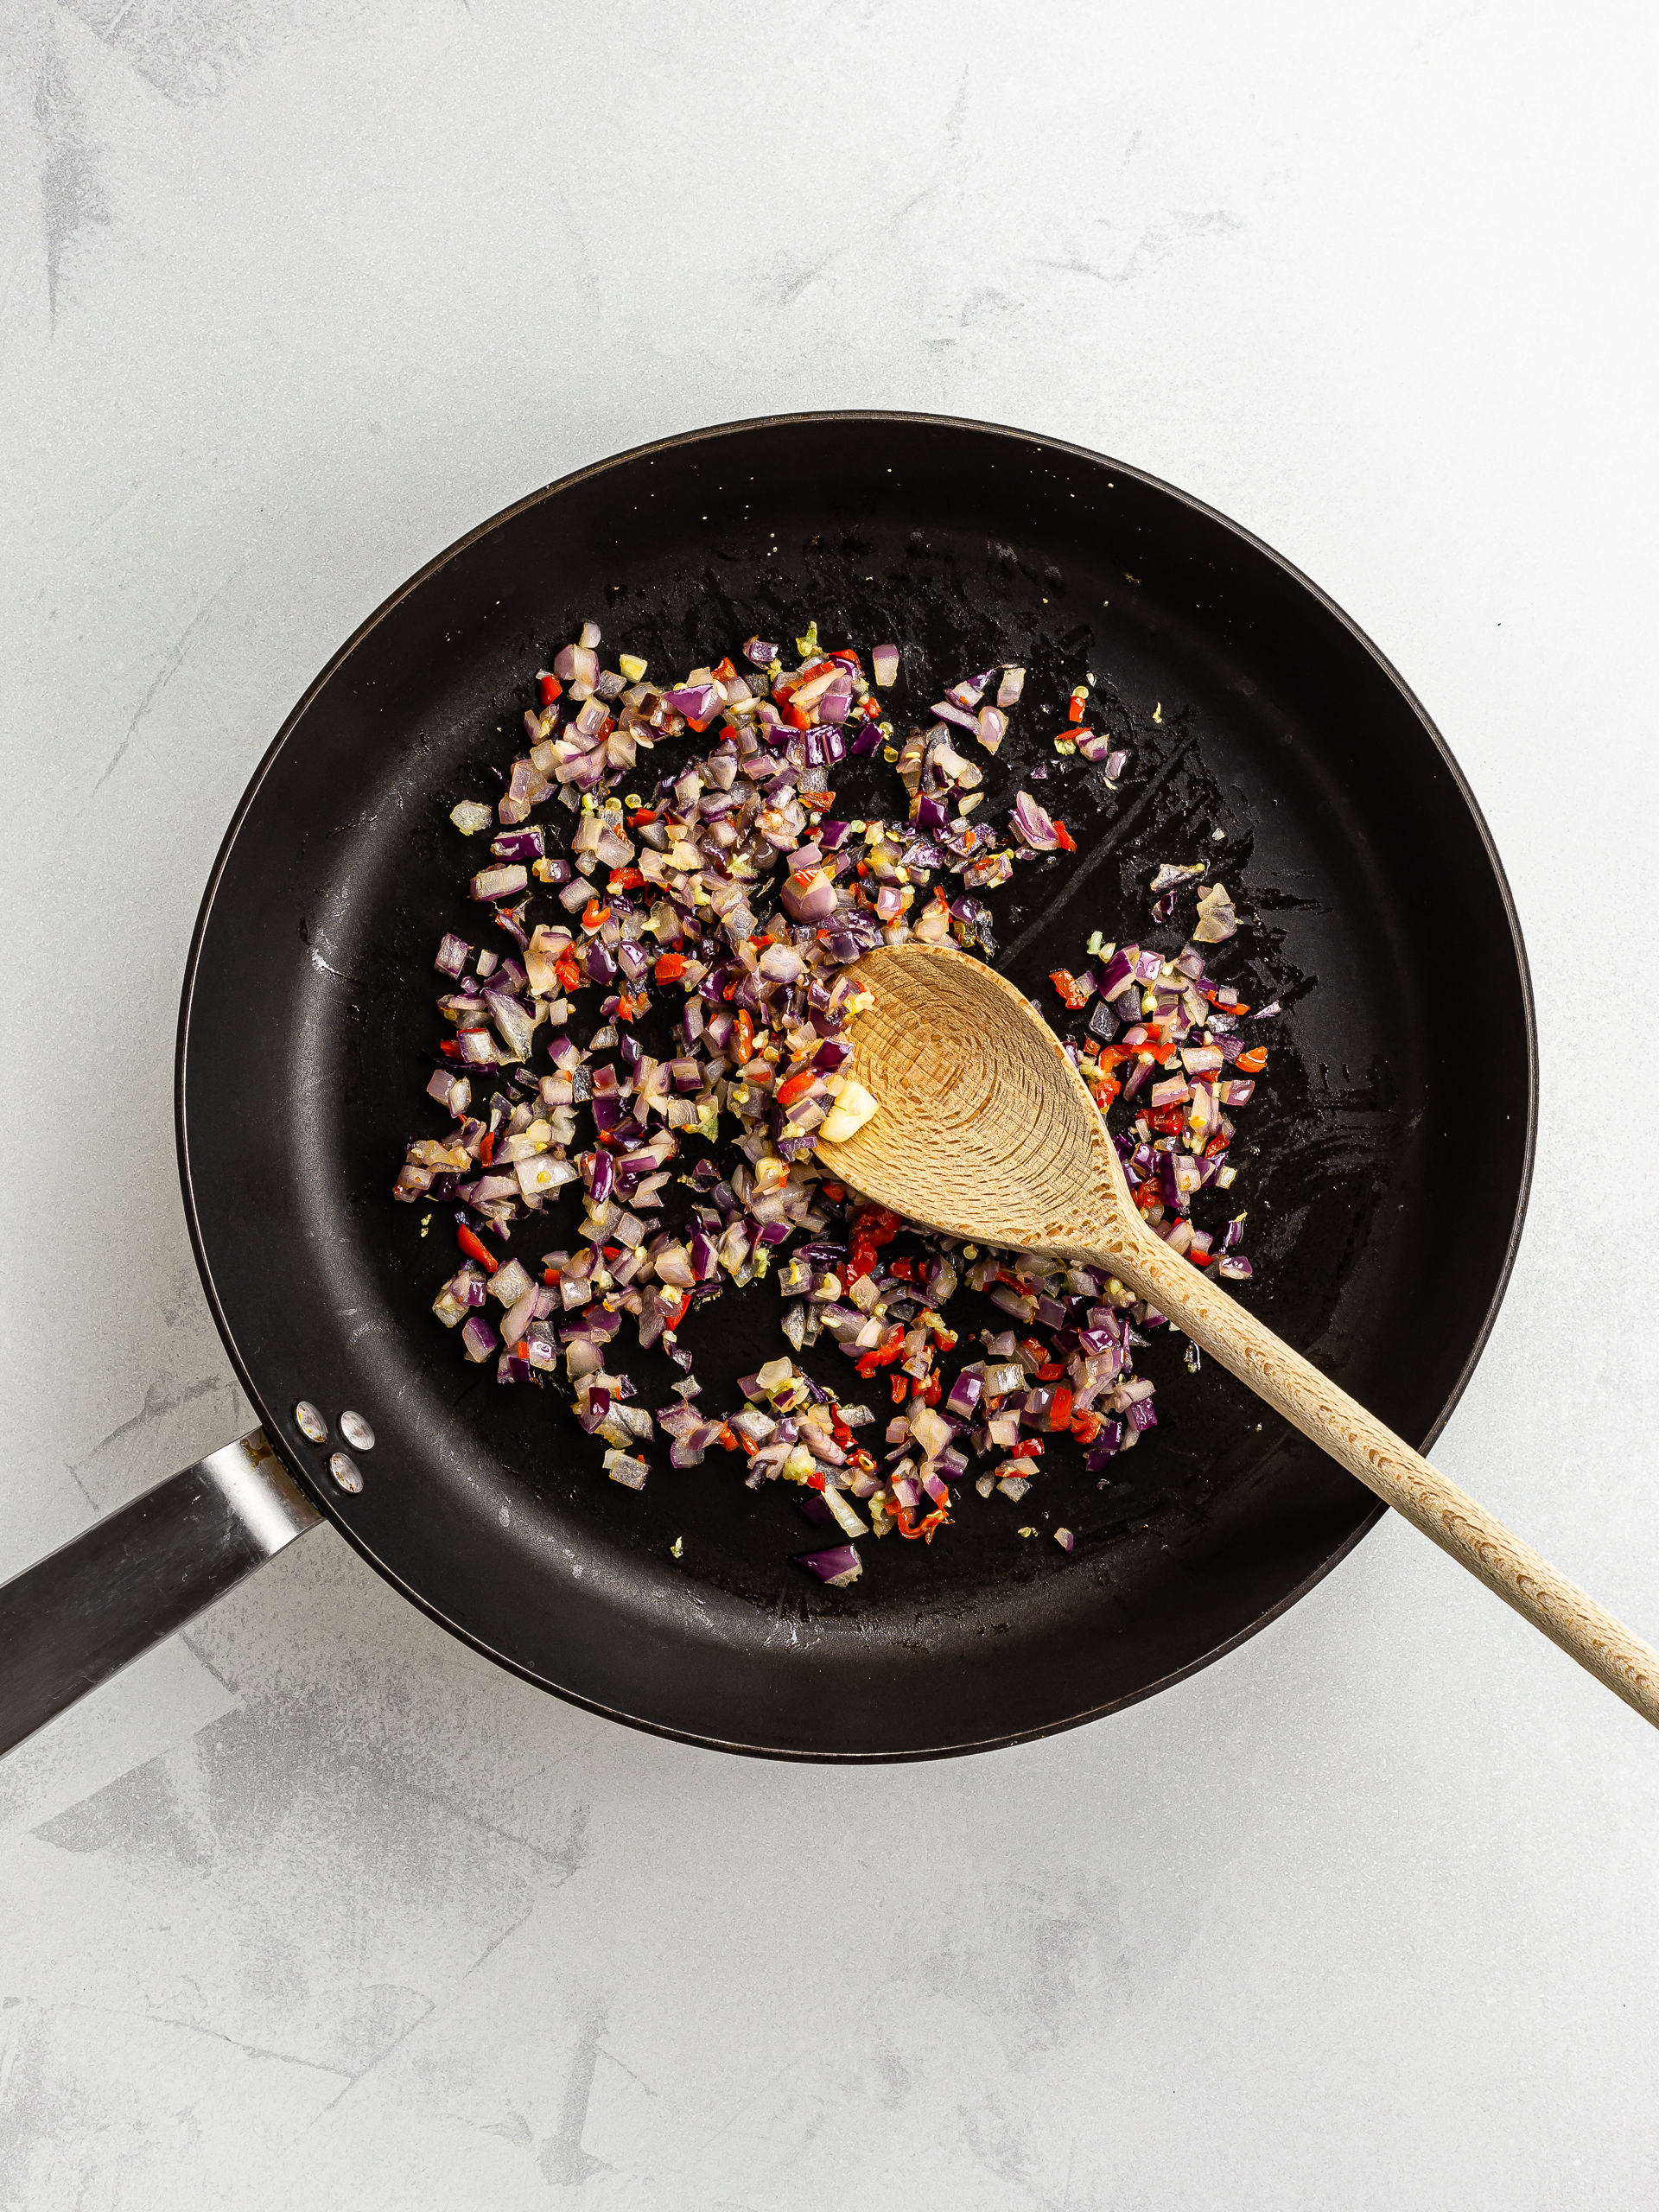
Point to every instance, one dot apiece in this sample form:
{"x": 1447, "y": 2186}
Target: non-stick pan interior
{"x": 1382, "y": 1209}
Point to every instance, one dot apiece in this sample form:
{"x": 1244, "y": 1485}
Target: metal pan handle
{"x": 81, "y": 1613}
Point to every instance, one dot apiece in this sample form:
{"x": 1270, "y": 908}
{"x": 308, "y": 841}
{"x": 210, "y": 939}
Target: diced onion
{"x": 706, "y": 870}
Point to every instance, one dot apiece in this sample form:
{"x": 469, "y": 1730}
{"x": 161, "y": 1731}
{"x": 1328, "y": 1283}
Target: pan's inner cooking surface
{"x": 1245, "y": 709}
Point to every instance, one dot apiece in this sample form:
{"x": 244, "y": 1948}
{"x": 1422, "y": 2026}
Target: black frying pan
{"x": 1249, "y": 705}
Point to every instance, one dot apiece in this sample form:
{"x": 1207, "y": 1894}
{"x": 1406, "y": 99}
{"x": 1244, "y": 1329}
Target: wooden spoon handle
{"x": 1402, "y": 1477}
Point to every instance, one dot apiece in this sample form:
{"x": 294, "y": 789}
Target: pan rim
{"x": 1038, "y": 442}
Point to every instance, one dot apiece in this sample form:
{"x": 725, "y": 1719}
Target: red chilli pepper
{"x": 1254, "y": 1061}
{"x": 1071, "y": 992}
{"x": 902, "y": 1521}
{"x": 670, "y": 967}
{"x": 787, "y": 1093}
{"x": 872, "y": 1225}
{"x": 1068, "y": 842}
{"x": 551, "y": 688}
{"x": 882, "y": 1355}
{"x": 474, "y": 1250}
{"x": 1059, "y": 1411}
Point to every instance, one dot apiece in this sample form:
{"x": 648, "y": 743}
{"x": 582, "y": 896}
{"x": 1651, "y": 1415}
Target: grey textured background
{"x": 314, "y": 1906}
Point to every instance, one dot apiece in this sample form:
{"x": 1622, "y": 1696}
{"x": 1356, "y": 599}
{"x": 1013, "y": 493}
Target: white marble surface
{"x": 314, "y": 1906}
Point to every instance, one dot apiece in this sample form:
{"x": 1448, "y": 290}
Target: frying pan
{"x": 1264, "y": 732}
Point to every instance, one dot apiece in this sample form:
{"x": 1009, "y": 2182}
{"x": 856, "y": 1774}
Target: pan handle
{"x": 78, "y": 1615}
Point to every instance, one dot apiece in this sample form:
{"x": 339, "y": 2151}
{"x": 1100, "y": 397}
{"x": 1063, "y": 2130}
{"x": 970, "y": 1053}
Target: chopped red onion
{"x": 1034, "y": 828}
{"x": 948, "y": 711}
{"x": 578, "y": 662}
{"x": 723, "y": 883}
{"x": 811, "y": 899}
{"x": 837, "y": 1567}
{"x": 990, "y": 727}
{"x": 495, "y": 883}
{"x": 1216, "y": 921}
{"x": 696, "y": 701}
{"x": 478, "y": 1337}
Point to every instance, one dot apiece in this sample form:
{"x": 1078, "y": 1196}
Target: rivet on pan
{"x": 356, "y": 1432}
{"x": 309, "y": 1422}
{"x": 343, "y": 1468}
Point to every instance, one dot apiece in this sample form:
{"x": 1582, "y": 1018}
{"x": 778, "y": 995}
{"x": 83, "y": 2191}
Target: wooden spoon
{"x": 985, "y": 1130}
